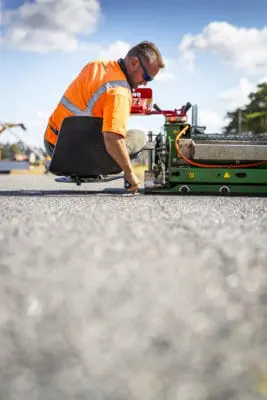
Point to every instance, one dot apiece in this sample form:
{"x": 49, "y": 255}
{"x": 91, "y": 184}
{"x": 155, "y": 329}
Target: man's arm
{"x": 116, "y": 112}
{"x": 116, "y": 147}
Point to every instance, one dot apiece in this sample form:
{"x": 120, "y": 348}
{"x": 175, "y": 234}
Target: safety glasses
{"x": 147, "y": 77}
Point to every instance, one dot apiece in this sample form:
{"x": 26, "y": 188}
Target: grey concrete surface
{"x": 106, "y": 297}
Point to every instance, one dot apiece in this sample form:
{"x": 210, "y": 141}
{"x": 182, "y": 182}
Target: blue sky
{"x": 216, "y": 53}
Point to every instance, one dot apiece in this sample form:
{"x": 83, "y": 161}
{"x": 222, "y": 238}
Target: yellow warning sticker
{"x": 191, "y": 175}
{"x": 227, "y": 175}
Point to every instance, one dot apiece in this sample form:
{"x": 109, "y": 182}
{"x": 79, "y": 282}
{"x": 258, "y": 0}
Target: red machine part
{"x": 142, "y": 105}
{"x": 142, "y": 101}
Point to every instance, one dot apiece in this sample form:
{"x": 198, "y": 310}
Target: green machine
{"x": 183, "y": 159}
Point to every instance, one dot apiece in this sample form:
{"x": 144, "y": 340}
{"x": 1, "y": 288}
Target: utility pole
{"x": 239, "y": 121}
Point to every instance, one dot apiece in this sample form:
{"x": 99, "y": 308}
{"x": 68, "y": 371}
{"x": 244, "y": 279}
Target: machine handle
{"x": 157, "y": 108}
{"x": 187, "y": 107}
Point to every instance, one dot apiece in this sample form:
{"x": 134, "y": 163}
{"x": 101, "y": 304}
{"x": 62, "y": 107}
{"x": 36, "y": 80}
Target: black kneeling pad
{"x": 80, "y": 149}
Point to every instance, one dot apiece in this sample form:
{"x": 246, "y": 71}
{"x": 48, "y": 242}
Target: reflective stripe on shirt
{"x": 91, "y": 102}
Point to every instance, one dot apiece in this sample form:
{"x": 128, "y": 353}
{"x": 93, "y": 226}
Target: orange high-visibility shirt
{"x": 101, "y": 90}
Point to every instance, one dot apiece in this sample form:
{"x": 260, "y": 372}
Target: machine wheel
{"x": 184, "y": 189}
{"x": 224, "y": 190}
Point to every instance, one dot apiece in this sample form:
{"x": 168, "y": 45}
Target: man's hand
{"x": 116, "y": 147}
{"x": 133, "y": 181}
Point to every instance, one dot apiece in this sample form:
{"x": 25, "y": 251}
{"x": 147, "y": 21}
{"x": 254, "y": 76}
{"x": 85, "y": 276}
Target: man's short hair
{"x": 148, "y": 51}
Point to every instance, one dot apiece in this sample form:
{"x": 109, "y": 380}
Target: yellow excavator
{"x": 4, "y": 126}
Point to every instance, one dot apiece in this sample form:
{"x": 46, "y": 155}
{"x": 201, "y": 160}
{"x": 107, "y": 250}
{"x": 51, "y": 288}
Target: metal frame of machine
{"x": 183, "y": 159}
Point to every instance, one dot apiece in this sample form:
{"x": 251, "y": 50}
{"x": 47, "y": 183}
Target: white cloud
{"x": 243, "y": 48}
{"x": 187, "y": 59}
{"x": 167, "y": 73}
{"x": 50, "y": 25}
{"x": 211, "y": 119}
{"x": 238, "y": 95}
{"x": 114, "y": 51}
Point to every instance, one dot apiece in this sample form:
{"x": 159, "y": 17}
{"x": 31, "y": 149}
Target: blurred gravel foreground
{"x": 105, "y": 297}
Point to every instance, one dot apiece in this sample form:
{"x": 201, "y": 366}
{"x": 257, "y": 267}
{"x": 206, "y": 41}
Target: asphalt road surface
{"x": 107, "y": 297}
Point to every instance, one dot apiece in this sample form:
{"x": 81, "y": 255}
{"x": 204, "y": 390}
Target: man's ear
{"x": 134, "y": 63}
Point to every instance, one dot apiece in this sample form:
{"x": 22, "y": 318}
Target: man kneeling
{"x": 104, "y": 89}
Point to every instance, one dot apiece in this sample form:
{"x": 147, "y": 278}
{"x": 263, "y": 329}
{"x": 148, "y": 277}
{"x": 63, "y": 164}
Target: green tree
{"x": 5, "y": 151}
{"x": 15, "y": 149}
{"x": 253, "y": 117}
